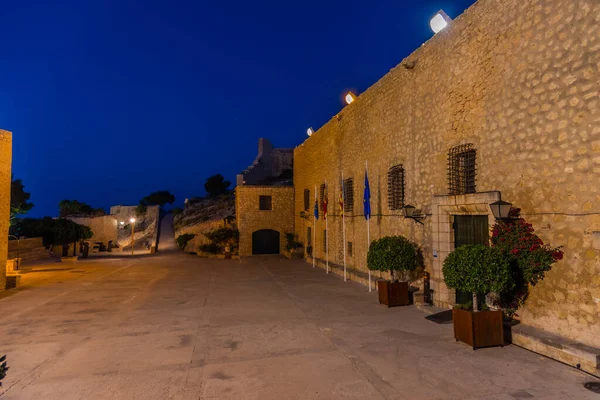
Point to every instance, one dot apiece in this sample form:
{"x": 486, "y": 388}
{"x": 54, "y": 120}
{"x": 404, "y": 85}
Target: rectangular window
{"x": 461, "y": 169}
{"x": 306, "y": 199}
{"x": 265, "y": 203}
{"x": 396, "y": 187}
{"x": 348, "y": 195}
{"x": 309, "y": 236}
{"x": 349, "y": 248}
{"x": 324, "y": 240}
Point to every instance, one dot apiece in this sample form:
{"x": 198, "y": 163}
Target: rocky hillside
{"x": 202, "y": 215}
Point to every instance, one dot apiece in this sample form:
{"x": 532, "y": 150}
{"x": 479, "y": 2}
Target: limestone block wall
{"x": 519, "y": 80}
{"x": 104, "y": 228}
{"x": 250, "y": 219}
{"x": 270, "y": 162}
{"x": 5, "y": 178}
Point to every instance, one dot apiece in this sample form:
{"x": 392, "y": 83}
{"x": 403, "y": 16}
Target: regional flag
{"x": 367, "y": 198}
{"x": 325, "y": 204}
{"x": 341, "y": 203}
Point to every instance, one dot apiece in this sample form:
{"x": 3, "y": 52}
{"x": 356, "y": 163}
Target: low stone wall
{"x": 199, "y": 230}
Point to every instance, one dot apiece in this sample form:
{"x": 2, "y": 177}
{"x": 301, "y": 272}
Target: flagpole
{"x": 315, "y": 232}
{"x": 344, "y": 227}
{"x": 325, "y": 212}
{"x": 368, "y": 229}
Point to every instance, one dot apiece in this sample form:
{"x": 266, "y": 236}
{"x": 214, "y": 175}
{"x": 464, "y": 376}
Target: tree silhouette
{"x": 216, "y": 185}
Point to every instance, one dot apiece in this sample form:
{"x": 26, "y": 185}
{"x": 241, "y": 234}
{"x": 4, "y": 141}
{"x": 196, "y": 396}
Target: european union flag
{"x": 316, "y": 209}
{"x": 367, "y": 198}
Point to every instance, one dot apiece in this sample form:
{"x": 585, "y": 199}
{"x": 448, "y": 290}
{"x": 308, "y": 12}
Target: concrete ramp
{"x": 166, "y": 237}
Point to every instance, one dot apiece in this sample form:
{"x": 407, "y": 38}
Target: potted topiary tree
{"x": 392, "y": 253}
{"x": 480, "y": 270}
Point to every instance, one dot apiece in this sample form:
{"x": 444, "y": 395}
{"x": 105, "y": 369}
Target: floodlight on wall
{"x": 413, "y": 213}
{"x": 350, "y": 97}
{"x": 439, "y": 21}
{"x": 310, "y": 131}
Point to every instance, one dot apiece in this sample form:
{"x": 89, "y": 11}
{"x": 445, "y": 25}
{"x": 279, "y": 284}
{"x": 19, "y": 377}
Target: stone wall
{"x": 250, "y": 219}
{"x": 5, "y": 179}
{"x": 519, "y": 80}
{"x": 199, "y": 230}
{"x": 269, "y": 163}
{"x": 104, "y": 228}
{"x": 146, "y": 226}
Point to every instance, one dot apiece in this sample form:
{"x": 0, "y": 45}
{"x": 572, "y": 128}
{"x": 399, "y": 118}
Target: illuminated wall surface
{"x": 519, "y": 80}
{"x": 5, "y": 165}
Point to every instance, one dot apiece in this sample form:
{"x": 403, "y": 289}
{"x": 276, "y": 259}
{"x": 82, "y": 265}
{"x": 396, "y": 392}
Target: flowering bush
{"x": 530, "y": 258}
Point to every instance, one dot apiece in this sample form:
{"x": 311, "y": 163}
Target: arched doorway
{"x": 265, "y": 241}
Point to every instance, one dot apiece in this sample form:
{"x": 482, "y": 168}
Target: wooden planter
{"x": 478, "y": 329}
{"x": 393, "y": 294}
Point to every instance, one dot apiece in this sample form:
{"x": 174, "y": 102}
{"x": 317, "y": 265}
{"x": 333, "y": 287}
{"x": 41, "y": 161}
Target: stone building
{"x": 264, "y": 214}
{"x": 5, "y": 179}
{"x": 264, "y": 201}
{"x": 270, "y": 164}
{"x": 502, "y": 103}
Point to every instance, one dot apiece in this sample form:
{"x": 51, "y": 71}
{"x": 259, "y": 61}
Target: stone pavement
{"x": 177, "y": 326}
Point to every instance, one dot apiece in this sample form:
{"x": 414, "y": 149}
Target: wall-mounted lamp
{"x": 412, "y": 213}
{"x": 350, "y": 97}
{"x": 310, "y": 131}
{"x": 439, "y": 21}
{"x": 501, "y": 209}
{"x": 303, "y": 215}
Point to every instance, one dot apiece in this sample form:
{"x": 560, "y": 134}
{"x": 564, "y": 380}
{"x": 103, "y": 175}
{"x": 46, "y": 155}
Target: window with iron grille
{"x": 322, "y": 196}
{"x": 265, "y": 203}
{"x": 396, "y": 187}
{"x": 324, "y": 240}
{"x": 306, "y": 199}
{"x": 348, "y": 195}
{"x": 461, "y": 169}
{"x": 349, "y": 247}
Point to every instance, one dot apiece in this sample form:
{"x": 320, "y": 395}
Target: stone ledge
{"x": 570, "y": 352}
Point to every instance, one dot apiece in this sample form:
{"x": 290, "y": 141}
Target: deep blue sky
{"x": 111, "y": 100}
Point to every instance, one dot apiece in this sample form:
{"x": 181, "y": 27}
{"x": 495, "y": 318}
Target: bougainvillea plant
{"x": 530, "y": 258}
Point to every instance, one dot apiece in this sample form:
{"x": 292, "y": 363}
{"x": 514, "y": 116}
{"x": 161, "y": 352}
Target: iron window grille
{"x": 396, "y": 187}
{"x": 348, "y": 195}
{"x": 265, "y": 203}
{"x": 461, "y": 169}
{"x": 306, "y": 199}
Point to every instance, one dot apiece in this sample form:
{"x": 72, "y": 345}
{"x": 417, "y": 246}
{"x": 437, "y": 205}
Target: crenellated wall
{"x": 518, "y": 79}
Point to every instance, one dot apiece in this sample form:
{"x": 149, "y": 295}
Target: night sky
{"x": 111, "y": 100}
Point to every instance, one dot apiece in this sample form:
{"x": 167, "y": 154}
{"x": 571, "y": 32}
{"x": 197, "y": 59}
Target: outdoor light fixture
{"x": 303, "y": 215}
{"x": 439, "y": 21}
{"x": 310, "y": 131}
{"x": 412, "y": 213}
{"x": 501, "y": 209}
{"x": 122, "y": 223}
{"x": 132, "y": 220}
{"x": 350, "y": 97}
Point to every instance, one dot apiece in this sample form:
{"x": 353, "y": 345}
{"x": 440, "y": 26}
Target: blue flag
{"x": 367, "y": 198}
{"x": 316, "y": 209}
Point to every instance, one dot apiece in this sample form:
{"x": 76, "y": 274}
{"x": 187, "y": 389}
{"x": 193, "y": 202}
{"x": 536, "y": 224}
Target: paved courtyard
{"x": 174, "y": 326}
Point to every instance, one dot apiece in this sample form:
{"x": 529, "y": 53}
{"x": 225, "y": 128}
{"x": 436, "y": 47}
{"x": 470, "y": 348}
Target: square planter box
{"x": 393, "y": 294}
{"x": 478, "y": 329}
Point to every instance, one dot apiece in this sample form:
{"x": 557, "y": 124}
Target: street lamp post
{"x": 132, "y": 220}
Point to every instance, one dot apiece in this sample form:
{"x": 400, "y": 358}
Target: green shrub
{"x": 291, "y": 243}
{"x": 212, "y": 248}
{"x": 223, "y": 235}
{"x": 182, "y": 240}
{"x": 477, "y": 269}
{"x": 393, "y": 253}
{"x": 141, "y": 209}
